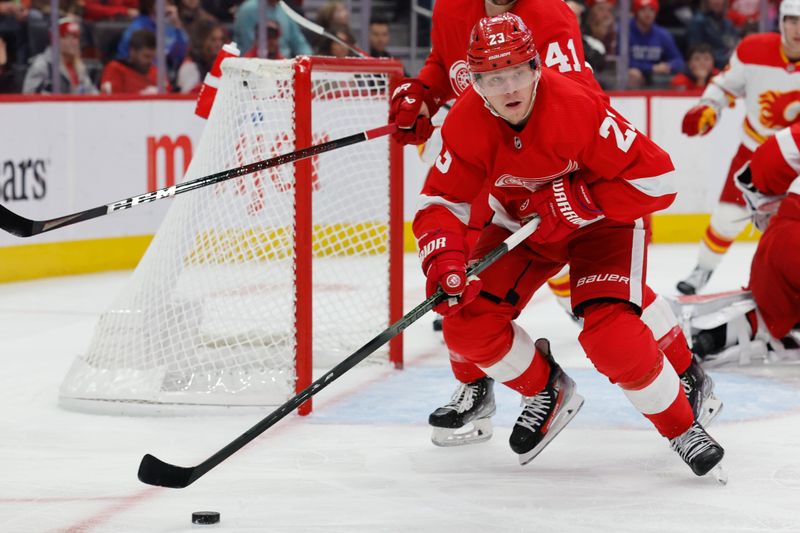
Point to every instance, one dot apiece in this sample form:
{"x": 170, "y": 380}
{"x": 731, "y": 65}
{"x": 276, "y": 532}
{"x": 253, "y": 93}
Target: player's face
{"x": 509, "y": 91}
{"x": 791, "y": 36}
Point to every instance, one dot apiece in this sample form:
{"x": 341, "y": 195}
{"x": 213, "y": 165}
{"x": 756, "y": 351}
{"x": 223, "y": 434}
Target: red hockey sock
{"x": 622, "y": 348}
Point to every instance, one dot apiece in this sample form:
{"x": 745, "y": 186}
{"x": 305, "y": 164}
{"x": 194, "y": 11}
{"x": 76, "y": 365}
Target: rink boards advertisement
{"x": 59, "y": 156}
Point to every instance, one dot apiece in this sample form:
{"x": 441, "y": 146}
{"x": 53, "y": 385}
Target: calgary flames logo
{"x": 779, "y": 110}
{"x": 459, "y": 76}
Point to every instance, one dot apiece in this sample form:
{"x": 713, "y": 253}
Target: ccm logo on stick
{"x": 595, "y": 278}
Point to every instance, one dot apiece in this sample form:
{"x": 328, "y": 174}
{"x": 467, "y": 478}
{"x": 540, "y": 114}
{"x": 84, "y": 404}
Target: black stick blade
{"x": 154, "y": 471}
{"x": 15, "y": 224}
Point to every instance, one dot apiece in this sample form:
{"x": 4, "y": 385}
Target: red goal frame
{"x": 303, "y": 67}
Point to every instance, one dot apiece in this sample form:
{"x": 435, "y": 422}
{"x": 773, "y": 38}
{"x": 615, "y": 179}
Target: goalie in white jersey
{"x": 764, "y": 70}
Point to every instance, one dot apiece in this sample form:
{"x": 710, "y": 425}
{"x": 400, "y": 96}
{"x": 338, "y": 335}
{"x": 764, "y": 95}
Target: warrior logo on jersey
{"x": 459, "y": 76}
{"x": 779, "y": 109}
{"x": 533, "y": 184}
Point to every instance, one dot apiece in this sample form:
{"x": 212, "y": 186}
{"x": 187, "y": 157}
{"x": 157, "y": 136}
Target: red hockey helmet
{"x": 500, "y": 42}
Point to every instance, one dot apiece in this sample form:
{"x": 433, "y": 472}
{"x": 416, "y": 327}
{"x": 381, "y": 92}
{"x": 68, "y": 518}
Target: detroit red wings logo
{"x": 459, "y": 76}
{"x": 533, "y": 184}
{"x": 779, "y": 109}
{"x": 252, "y": 149}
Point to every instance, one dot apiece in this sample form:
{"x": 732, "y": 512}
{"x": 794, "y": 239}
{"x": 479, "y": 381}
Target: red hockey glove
{"x": 444, "y": 263}
{"x": 563, "y": 206}
{"x": 413, "y": 123}
{"x": 699, "y": 120}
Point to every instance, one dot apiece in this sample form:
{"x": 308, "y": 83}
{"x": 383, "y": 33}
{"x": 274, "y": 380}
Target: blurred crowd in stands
{"x": 109, "y": 46}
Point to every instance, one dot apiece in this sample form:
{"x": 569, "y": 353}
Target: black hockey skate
{"x": 694, "y": 282}
{"x": 545, "y": 414}
{"x": 470, "y": 409}
{"x": 701, "y": 452}
{"x": 699, "y": 389}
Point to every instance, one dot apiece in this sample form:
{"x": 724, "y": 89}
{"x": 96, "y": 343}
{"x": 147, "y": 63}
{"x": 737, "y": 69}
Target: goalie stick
{"x": 154, "y": 471}
{"x": 25, "y": 227}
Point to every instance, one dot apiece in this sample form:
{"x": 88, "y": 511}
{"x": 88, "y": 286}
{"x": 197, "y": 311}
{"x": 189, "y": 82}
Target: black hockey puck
{"x": 205, "y": 517}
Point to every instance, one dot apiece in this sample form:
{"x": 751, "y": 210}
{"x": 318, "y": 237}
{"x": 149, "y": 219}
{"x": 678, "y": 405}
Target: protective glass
{"x": 506, "y": 80}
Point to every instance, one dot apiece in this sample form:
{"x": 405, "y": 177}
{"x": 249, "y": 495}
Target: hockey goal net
{"x": 249, "y": 282}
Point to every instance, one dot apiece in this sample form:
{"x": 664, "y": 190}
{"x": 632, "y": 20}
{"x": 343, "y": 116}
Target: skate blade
{"x": 719, "y": 474}
{"x": 480, "y": 431}
{"x": 567, "y": 413}
{"x": 711, "y": 408}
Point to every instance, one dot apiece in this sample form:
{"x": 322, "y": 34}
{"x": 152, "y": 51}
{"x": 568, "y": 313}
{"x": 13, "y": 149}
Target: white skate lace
{"x": 463, "y": 398}
{"x": 691, "y": 444}
{"x": 687, "y": 385}
{"x": 536, "y": 410}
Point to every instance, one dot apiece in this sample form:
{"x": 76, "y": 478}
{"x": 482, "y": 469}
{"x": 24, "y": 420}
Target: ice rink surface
{"x": 364, "y": 462}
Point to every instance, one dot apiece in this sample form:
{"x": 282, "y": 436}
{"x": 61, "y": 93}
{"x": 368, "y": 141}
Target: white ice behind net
{"x": 207, "y": 317}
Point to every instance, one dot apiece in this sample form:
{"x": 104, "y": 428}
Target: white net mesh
{"x": 208, "y": 316}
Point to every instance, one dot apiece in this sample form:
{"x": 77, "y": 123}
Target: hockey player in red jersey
{"x": 547, "y": 146}
{"x": 764, "y": 70}
{"x": 765, "y": 323}
{"x": 775, "y": 273}
{"x": 445, "y": 76}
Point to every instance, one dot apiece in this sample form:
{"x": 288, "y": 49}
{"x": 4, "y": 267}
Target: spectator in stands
{"x": 699, "y": 69}
{"x": 74, "y": 76}
{"x": 744, "y": 14}
{"x": 6, "y": 72}
{"x": 379, "y": 36}
{"x": 176, "y": 41}
{"x": 190, "y": 11}
{"x": 12, "y": 20}
{"x": 600, "y": 41}
{"x": 653, "y": 52}
{"x": 333, "y": 13}
{"x": 137, "y": 74}
{"x": 292, "y": 41}
{"x": 273, "y": 43}
{"x": 206, "y": 37}
{"x": 600, "y": 27}
{"x": 222, "y": 10}
{"x": 95, "y": 10}
{"x": 329, "y": 47}
{"x": 712, "y": 27}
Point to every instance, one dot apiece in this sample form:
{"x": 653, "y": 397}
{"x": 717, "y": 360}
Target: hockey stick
{"x": 25, "y": 227}
{"x": 319, "y": 30}
{"x": 154, "y": 471}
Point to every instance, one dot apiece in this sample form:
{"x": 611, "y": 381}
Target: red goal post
{"x": 303, "y": 68}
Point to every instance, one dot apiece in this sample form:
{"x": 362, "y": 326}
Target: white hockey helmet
{"x": 790, "y": 8}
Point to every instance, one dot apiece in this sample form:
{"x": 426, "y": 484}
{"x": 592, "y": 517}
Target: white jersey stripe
{"x": 794, "y": 187}
{"x": 655, "y": 186}
{"x": 659, "y": 317}
{"x": 659, "y": 394}
{"x": 516, "y": 361}
{"x": 789, "y": 148}
{"x": 461, "y": 210}
{"x": 501, "y": 216}
{"x": 637, "y": 262}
